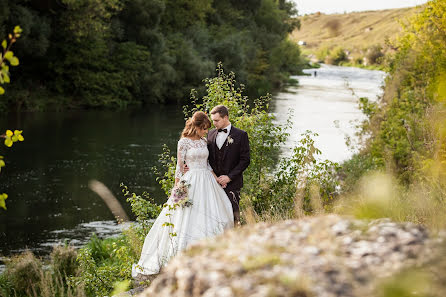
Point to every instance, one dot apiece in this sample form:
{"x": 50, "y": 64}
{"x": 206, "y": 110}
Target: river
{"x": 47, "y": 175}
{"x": 327, "y": 104}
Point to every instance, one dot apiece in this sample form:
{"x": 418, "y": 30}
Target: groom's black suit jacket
{"x": 235, "y": 156}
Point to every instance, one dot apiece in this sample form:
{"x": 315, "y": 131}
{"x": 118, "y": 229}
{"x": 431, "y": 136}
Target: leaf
{"x": 9, "y": 55}
{"x": 4, "y": 44}
{"x": 9, "y": 133}
{"x": 8, "y": 142}
{"x": 17, "y": 30}
{"x": 3, "y": 197}
{"x": 14, "y": 61}
{"x": 6, "y": 78}
{"x": 14, "y": 138}
{"x": 2, "y": 163}
{"x": 2, "y": 91}
{"x": 20, "y": 137}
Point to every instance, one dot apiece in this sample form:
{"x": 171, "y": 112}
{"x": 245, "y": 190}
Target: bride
{"x": 209, "y": 214}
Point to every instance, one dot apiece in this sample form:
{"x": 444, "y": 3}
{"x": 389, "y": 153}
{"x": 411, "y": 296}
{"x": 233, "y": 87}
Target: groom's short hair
{"x": 221, "y": 110}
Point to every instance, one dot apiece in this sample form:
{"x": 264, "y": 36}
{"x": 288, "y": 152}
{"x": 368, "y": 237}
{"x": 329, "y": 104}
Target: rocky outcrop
{"x": 318, "y": 256}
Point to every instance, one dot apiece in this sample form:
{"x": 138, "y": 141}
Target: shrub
{"x": 105, "y": 262}
{"x": 301, "y": 184}
{"x": 374, "y": 54}
{"x": 143, "y": 206}
{"x": 6, "y": 287}
{"x": 25, "y": 273}
{"x": 63, "y": 261}
{"x": 97, "y": 279}
{"x": 336, "y": 56}
{"x": 99, "y": 249}
{"x": 322, "y": 54}
{"x": 358, "y": 60}
{"x": 265, "y": 136}
{"x": 268, "y": 189}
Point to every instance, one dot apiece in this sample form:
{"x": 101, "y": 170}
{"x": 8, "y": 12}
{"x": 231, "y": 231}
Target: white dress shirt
{"x": 221, "y": 136}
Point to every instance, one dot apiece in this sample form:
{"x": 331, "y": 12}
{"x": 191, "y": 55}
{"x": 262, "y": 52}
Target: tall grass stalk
{"x": 379, "y": 195}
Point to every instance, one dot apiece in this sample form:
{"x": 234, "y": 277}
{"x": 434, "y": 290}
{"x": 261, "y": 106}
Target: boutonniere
{"x": 230, "y": 140}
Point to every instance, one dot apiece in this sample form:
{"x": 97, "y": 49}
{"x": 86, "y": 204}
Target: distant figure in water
{"x": 315, "y": 73}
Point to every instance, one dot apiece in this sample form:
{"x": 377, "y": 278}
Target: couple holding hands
{"x": 212, "y": 168}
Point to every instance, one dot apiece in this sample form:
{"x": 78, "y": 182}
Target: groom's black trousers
{"x": 234, "y": 197}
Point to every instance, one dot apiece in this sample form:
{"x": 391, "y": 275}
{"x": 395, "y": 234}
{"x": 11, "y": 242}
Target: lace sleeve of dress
{"x": 209, "y": 166}
{"x": 205, "y": 144}
{"x": 181, "y": 157}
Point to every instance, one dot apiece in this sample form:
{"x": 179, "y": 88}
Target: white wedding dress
{"x": 210, "y": 213}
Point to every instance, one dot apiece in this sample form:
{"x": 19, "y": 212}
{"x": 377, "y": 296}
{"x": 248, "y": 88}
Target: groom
{"x": 228, "y": 155}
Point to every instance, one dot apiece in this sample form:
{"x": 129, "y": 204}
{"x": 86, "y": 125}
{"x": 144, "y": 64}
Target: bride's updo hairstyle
{"x": 198, "y": 120}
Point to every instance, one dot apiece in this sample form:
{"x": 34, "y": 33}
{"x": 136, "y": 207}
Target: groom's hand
{"x": 223, "y": 180}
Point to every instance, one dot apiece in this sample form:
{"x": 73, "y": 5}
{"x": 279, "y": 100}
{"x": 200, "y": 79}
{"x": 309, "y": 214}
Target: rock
{"x": 323, "y": 256}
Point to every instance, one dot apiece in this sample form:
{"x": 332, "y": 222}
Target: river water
{"x": 326, "y": 102}
{"x": 47, "y": 175}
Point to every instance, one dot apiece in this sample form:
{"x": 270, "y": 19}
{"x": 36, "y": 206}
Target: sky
{"x": 341, "y": 6}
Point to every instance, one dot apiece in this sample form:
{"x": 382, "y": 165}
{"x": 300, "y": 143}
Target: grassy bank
{"x": 356, "y": 38}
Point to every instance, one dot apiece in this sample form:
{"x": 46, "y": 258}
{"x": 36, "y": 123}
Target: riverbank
{"x": 79, "y": 151}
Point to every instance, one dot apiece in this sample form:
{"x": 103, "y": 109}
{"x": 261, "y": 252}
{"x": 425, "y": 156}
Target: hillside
{"x": 354, "y": 32}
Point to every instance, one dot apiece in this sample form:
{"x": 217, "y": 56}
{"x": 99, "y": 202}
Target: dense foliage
{"x": 405, "y": 131}
{"x": 372, "y": 57}
{"x": 273, "y": 187}
{"x": 405, "y": 137}
{"x": 114, "y": 53}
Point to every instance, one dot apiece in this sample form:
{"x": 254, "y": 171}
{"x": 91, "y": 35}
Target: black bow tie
{"x": 223, "y": 130}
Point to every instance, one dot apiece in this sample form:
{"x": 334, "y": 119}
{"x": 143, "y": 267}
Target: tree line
{"x": 117, "y": 53}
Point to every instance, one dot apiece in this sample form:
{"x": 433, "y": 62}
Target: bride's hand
{"x": 223, "y": 180}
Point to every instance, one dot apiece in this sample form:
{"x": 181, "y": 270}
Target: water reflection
{"x": 46, "y": 176}
{"x": 325, "y": 104}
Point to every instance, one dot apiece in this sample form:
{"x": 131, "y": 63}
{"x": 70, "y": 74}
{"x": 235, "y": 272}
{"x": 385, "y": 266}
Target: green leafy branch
{"x": 11, "y": 137}
{"x": 8, "y": 55}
